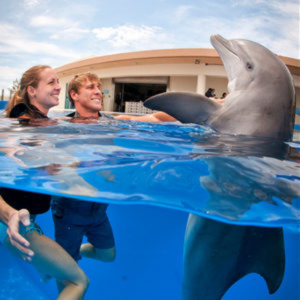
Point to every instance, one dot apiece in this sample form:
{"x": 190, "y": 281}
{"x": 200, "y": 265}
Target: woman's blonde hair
{"x": 31, "y": 77}
{"x": 79, "y": 80}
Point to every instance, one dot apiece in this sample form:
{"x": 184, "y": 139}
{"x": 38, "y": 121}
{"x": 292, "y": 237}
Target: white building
{"x": 133, "y": 77}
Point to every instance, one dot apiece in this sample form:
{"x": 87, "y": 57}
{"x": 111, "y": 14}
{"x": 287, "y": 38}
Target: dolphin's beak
{"x": 227, "y": 53}
{"x": 218, "y": 41}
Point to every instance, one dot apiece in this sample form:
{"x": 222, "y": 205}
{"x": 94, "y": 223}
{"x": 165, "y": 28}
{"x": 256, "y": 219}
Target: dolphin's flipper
{"x": 185, "y": 107}
{"x": 216, "y": 255}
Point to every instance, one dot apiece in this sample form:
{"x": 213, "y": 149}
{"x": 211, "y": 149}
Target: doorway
{"x": 135, "y": 92}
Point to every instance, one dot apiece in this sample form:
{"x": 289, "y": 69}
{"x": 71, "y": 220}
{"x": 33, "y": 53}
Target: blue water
{"x": 172, "y": 169}
{"x": 236, "y": 179}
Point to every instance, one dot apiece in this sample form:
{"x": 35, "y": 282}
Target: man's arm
{"x": 12, "y": 218}
{"x": 157, "y": 117}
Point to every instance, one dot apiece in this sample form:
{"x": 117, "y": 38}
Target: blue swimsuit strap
{"x": 33, "y": 227}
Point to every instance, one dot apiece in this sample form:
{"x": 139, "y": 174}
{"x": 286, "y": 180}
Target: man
{"x": 85, "y": 94}
{"x": 74, "y": 219}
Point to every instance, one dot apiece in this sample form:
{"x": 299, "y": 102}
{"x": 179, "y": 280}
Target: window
{"x": 68, "y": 104}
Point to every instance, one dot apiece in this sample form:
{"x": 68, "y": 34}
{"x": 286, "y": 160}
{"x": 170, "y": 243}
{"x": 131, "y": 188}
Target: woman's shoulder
{"x": 20, "y": 110}
{"x": 23, "y": 110}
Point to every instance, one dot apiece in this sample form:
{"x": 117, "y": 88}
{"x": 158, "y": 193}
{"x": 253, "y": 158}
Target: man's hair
{"x": 79, "y": 80}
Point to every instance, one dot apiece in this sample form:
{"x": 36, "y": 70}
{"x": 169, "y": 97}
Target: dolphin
{"x": 261, "y": 102}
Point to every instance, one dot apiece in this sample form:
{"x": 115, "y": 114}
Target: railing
{"x": 137, "y": 108}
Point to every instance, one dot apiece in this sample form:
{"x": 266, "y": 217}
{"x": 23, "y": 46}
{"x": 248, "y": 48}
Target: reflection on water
{"x": 238, "y": 179}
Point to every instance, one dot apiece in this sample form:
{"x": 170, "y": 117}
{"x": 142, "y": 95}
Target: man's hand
{"x": 16, "y": 239}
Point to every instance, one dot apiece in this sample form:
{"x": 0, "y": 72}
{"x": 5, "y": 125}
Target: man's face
{"x": 89, "y": 97}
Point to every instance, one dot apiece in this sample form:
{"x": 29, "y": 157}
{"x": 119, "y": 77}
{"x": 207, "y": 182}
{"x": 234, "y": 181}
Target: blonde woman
{"x": 39, "y": 91}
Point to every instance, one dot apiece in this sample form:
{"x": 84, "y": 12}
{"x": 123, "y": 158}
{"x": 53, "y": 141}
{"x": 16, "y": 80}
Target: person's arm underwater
{"x": 12, "y": 218}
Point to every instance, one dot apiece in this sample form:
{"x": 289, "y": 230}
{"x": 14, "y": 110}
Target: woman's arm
{"x": 12, "y": 218}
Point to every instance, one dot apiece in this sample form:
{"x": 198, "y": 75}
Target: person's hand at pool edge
{"x": 157, "y": 117}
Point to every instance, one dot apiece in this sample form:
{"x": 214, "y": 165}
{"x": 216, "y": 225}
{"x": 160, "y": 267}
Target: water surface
{"x": 235, "y": 179}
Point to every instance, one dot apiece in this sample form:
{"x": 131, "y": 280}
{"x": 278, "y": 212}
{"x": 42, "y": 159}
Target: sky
{"x": 56, "y": 32}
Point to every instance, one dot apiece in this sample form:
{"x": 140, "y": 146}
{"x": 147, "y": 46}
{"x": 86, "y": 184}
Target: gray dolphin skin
{"x": 261, "y": 102}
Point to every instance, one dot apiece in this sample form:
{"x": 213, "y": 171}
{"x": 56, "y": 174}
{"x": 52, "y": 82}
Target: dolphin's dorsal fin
{"x": 185, "y": 107}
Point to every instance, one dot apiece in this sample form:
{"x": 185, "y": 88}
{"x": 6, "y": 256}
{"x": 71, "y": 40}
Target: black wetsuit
{"x": 75, "y": 114}
{"x": 28, "y": 110}
{"x": 35, "y": 203}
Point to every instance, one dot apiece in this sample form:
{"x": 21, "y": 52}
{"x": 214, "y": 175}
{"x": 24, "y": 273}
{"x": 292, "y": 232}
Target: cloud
{"x": 279, "y": 36}
{"x": 132, "y": 37}
{"x": 16, "y": 40}
{"x": 275, "y": 8}
{"x": 105, "y": 32}
{"x": 127, "y": 34}
{"x": 270, "y": 23}
{"x": 31, "y": 3}
{"x": 59, "y": 28}
{"x": 51, "y": 33}
{"x": 72, "y": 33}
{"x": 182, "y": 12}
{"x": 288, "y": 9}
{"x": 10, "y": 75}
{"x": 49, "y": 22}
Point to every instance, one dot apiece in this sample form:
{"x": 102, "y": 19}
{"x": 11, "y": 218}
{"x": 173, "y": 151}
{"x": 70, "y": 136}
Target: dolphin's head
{"x": 261, "y": 100}
{"x": 247, "y": 62}
{"x": 261, "y": 97}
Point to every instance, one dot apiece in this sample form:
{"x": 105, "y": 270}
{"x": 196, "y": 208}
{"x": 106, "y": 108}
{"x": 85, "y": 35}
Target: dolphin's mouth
{"x": 220, "y": 43}
{"x": 228, "y": 55}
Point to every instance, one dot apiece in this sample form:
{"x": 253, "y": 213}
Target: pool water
{"x": 153, "y": 175}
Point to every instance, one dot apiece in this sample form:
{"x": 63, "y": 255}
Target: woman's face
{"x": 46, "y": 94}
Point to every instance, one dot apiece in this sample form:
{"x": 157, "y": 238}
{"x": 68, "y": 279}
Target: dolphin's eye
{"x": 249, "y": 66}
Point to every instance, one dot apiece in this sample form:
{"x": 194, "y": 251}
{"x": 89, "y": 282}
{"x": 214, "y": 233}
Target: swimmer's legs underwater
{"x": 51, "y": 259}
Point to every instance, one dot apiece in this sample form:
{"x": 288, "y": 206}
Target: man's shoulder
{"x": 72, "y": 114}
{"x": 100, "y": 115}
{"x": 108, "y": 116}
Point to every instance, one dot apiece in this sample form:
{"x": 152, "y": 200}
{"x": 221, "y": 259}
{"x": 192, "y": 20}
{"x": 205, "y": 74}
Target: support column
{"x": 201, "y": 84}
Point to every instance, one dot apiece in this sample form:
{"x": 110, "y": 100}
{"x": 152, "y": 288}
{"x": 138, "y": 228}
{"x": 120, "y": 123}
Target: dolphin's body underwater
{"x": 261, "y": 102}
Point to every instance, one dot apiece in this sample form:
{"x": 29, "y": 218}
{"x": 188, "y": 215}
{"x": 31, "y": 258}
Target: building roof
{"x": 167, "y": 56}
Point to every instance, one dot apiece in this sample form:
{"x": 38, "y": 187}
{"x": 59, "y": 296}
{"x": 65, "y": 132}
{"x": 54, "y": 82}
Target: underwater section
{"x": 153, "y": 176}
{"x": 149, "y": 242}
{"x": 148, "y": 266}
{"x": 236, "y": 179}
